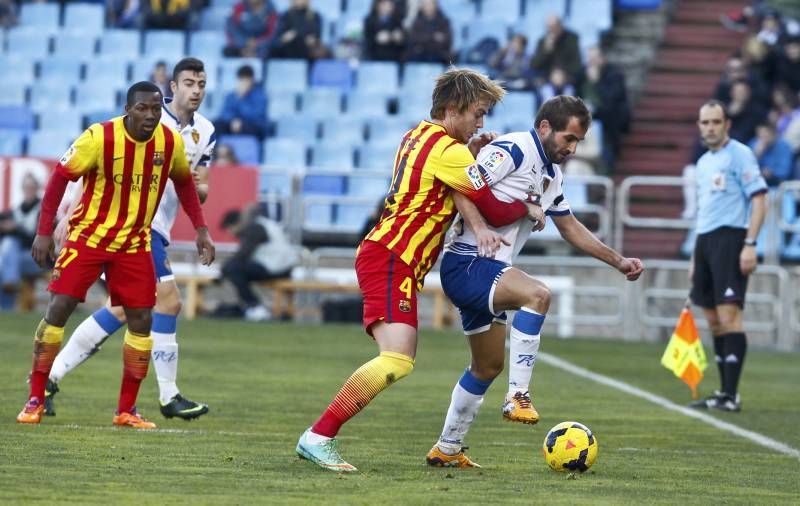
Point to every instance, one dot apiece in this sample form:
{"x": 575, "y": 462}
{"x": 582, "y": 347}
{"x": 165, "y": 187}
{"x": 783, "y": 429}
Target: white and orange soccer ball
{"x": 570, "y": 447}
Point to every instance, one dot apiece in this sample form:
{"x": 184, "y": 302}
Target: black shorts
{"x": 717, "y": 278}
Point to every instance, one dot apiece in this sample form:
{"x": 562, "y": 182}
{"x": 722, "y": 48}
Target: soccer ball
{"x": 570, "y": 446}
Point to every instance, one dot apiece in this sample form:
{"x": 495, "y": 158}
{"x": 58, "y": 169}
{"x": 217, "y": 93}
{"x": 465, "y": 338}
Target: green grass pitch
{"x": 266, "y": 383}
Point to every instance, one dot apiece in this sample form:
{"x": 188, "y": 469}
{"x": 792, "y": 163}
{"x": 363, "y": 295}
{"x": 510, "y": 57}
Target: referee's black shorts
{"x": 717, "y": 278}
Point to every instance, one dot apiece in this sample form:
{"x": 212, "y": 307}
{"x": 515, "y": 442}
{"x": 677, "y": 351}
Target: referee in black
{"x": 731, "y": 206}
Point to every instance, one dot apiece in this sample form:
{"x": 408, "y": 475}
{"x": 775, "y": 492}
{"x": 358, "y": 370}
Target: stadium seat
{"x": 167, "y": 44}
{"x": 108, "y": 70}
{"x": 50, "y": 95}
{"x": 634, "y": 5}
{"x": 297, "y": 127}
{"x": 12, "y": 93}
{"x": 287, "y": 75}
{"x": 333, "y": 73}
{"x": 16, "y": 69}
{"x": 206, "y": 44}
{"x": 590, "y": 13}
{"x": 281, "y": 104}
{"x": 320, "y": 103}
{"x": 345, "y": 128}
{"x": 330, "y": 10}
{"x": 367, "y": 185}
{"x": 95, "y": 97}
{"x": 50, "y": 143}
{"x": 42, "y": 16}
{"x": 11, "y": 142}
{"x": 500, "y": 11}
{"x": 358, "y": 8}
{"x": 516, "y": 106}
{"x": 66, "y": 69}
{"x": 28, "y": 42}
{"x": 214, "y": 18}
{"x": 275, "y": 183}
{"x": 367, "y": 104}
{"x": 478, "y": 30}
{"x": 336, "y": 157}
{"x": 122, "y": 44}
{"x": 324, "y": 184}
{"x": 317, "y": 216}
{"x": 378, "y": 76}
{"x": 17, "y": 117}
{"x": 377, "y": 157}
{"x": 285, "y": 153}
{"x": 246, "y": 148}
{"x": 78, "y": 45}
{"x": 792, "y": 249}
{"x": 69, "y": 120}
{"x": 87, "y": 17}
{"x": 413, "y": 105}
{"x": 416, "y": 75}
{"x": 540, "y": 9}
{"x": 101, "y": 116}
{"x": 142, "y": 68}
{"x": 388, "y": 131}
{"x": 351, "y": 216}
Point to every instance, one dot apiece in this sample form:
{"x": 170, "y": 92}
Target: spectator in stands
{"x": 384, "y": 37}
{"x": 786, "y": 116}
{"x": 788, "y": 66}
{"x": 123, "y": 13}
{"x": 602, "y": 87}
{"x": 430, "y": 37}
{"x": 264, "y": 252}
{"x": 8, "y": 14}
{"x": 556, "y": 84}
{"x": 299, "y": 33}
{"x": 512, "y": 65}
{"x": 17, "y": 230}
{"x": 558, "y": 47}
{"x": 760, "y": 58}
{"x": 245, "y": 109}
{"x": 250, "y": 28}
{"x": 161, "y": 78}
{"x": 737, "y": 70}
{"x": 167, "y": 14}
{"x": 771, "y": 31}
{"x": 774, "y": 155}
{"x": 225, "y": 155}
{"x": 744, "y": 113}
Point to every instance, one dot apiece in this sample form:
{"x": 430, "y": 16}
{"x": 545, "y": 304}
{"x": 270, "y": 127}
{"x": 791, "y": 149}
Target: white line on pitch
{"x": 160, "y": 431}
{"x": 755, "y": 437}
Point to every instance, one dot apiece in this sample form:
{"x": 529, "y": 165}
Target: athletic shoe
{"x": 50, "y": 392}
{"x": 182, "y": 407}
{"x": 520, "y": 409}
{"x": 325, "y": 455}
{"x": 257, "y": 314}
{"x": 437, "y": 458}
{"x": 709, "y": 402}
{"x": 133, "y": 420}
{"x": 729, "y": 403}
{"x": 32, "y": 412}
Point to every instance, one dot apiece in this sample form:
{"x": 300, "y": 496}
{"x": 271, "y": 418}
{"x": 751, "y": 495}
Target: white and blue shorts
{"x": 158, "y": 248}
{"x": 469, "y": 281}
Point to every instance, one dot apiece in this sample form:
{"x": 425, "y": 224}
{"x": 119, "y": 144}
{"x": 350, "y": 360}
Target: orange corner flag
{"x": 684, "y": 355}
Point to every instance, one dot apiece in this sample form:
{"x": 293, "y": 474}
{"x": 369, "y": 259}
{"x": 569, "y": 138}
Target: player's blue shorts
{"x": 158, "y": 248}
{"x": 469, "y": 281}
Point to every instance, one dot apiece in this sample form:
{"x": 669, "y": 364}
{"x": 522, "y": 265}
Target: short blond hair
{"x": 463, "y": 88}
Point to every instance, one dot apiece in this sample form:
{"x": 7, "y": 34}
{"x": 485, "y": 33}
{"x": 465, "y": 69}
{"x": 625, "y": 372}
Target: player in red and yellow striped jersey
{"x": 434, "y": 158}
{"x": 125, "y": 163}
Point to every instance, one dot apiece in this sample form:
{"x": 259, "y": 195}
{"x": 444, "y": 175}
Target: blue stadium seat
{"x": 320, "y": 103}
{"x": 206, "y": 44}
{"x": 285, "y": 153}
{"x": 228, "y": 4}
{"x": 362, "y": 185}
{"x": 297, "y": 127}
{"x": 378, "y": 157}
{"x": 142, "y": 67}
{"x": 28, "y": 42}
{"x": 345, "y": 128}
{"x": 51, "y": 95}
{"x": 214, "y": 18}
{"x": 378, "y": 76}
{"x": 792, "y": 249}
{"x": 423, "y": 75}
{"x": 78, "y": 45}
{"x": 330, "y": 10}
{"x": 324, "y": 184}
{"x": 123, "y": 44}
{"x": 108, "y": 70}
{"x": 102, "y": 116}
{"x": 69, "y": 120}
{"x": 66, "y": 69}
{"x": 367, "y": 104}
{"x": 17, "y": 117}
{"x": 317, "y": 216}
{"x": 333, "y": 73}
{"x": 42, "y": 16}
{"x": 281, "y": 104}
{"x": 351, "y": 216}
{"x": 516, "y": 106}
{"x": 590, "y": 14}
{"x": 335, "y": 157}
{"x": 95, "y": 97}
{"x": 12, "y": 93}
{"x": 413, "y": 106}
{"x": 479, "y": 30}
{"x": 275, "y": 183}
{"x": 86, "y": 17}
{"x": 16, "y": 69}
{"x": 246, "y": 148}
{"x": 500, "y": 11}
{"x": 634, "y": 5}
{"x": 167, "y": 44}
{"x": 287, "y": 75}
{"x": 229, "y": 66}
{"x": 540, "y": 9}
{"x": 358, "y": 8}
{"x": 388, "y": 131}
{"x": 50, "y": 143}
{"x": 11, "y": 142}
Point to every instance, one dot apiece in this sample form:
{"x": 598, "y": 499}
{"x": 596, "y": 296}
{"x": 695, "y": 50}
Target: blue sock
{"x": 164, "y": 323}
{"x": 472, "y": 384}
{"x": 107, "y": 321}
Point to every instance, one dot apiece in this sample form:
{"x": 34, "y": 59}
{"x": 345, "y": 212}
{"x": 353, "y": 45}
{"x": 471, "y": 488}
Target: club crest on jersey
{"x": 158, "y": 158}
{"x": 195, "y": 135}
{"x": 494, "y": 160}
{"x": 474, "y": 175}
{"x": 404, "y": 305}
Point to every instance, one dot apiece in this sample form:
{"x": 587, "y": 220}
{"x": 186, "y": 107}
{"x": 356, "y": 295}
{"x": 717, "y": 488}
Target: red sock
{"x": 135, "y": 363}
{"x": 44, "y": 354}
{"x": 328, "y": 424}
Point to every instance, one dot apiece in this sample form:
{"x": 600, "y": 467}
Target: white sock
{"x": 84, "y": 342}
{"x": 525, "y": 337}
{"x": 165, "y": 363}
{"x": 316, "y": 439}
{"x": 464, "y": 405}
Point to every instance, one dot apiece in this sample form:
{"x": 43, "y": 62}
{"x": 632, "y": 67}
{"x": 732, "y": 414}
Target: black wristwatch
{"x": 750, "y": 242}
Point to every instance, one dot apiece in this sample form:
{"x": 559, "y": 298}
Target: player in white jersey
{"x": 180, "y": 113}
{"x": 519, "y": 165}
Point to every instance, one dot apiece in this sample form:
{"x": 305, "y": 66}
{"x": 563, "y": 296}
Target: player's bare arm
{"x": 200, "y": 177}
{"x": 748, "y": 258}
{"x": 575, "y": 233}
{"x": 488, "y": 240}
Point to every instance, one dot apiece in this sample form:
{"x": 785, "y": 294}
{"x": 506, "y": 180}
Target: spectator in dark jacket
{"x": 737, "y": 70}
{"x": 774, "y": 155}
{"x": 512, "y": 64}
{"x": 788, "y": 71}
{"x": 384, "y": 37}
{"x": 17, "y": 230}
{"x": 123, "y": 13}
{"x": 245, "y": 110}
{"x": 8, "y": 14}
{"x": 166, "y": 14}
{"x": 250, "y": 28}
{"x": 744, "y": 112}
{"x": 558, "y": 47}
{"x": 299, "y": 32}
{"x": 430, "y": 37}
{"x": 602, "y": 86}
